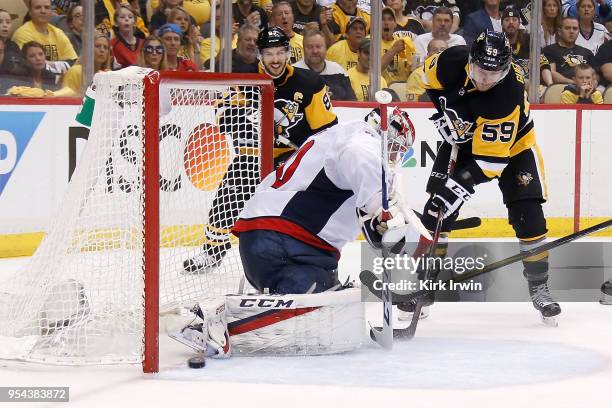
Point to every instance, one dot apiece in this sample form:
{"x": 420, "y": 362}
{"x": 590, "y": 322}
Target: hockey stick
{"x": 368, "y": 278}
{"x": 409, "y": 331}
{"x": 464, "y": 223}
{"x": 384, "y": 335}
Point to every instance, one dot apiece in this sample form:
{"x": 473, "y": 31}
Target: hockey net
{"x": 171, "y": 158}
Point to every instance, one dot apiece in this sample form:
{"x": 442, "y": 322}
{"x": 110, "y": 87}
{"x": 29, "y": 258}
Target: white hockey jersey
{"x": 314, "y": 195}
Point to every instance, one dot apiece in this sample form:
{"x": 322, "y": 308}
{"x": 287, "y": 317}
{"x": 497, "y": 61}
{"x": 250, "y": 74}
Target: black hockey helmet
{"x": 272, "y": 37}
{"x": 491, "y": 51}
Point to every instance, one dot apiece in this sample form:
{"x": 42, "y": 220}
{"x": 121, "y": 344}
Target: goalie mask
{"x": 400, "y": 132}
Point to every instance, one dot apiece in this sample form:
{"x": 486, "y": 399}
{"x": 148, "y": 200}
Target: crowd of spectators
{"x": 40, "y": 49}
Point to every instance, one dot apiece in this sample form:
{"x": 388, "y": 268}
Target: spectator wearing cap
{"x": 424, "y": 11}
{"x": 345, "y": 52}
{"x": 519, "y": 39}
{"x": 396, "y": 52}
{"x": 359, "y": 75}
{"x": 343, "y": 11}
{"x": 282, "y": 17}
{"x": 244, "y": 11}
{"x": 415, "y": 86}
{"x": 441, "y": 24}
{"x": 127, "y": 41}
{"x": 334, "y": 76}
{"x": 59, "y": 52}
{"x": 405, "y": 26}
{"x": 171, "y": 35}
{"x": 489, "y": 17}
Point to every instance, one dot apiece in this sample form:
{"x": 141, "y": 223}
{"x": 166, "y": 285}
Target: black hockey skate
{"x": 544, "y": 302}
{"x": 406, "y": 310}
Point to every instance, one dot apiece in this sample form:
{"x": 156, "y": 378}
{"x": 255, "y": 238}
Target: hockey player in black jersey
{"x": 301, "y": 104}
{"x": 479, "y": 94}
{"x": 301, "y": 109}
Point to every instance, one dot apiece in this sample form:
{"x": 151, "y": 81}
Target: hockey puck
{"x": 197, "y": 362}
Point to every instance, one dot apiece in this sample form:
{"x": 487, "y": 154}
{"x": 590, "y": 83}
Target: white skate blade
{"x": 178, "y": 336}
{"x": 550, "y": 321}
{"x": 407, "y": 316}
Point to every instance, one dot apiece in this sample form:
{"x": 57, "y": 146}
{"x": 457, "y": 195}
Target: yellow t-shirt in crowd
{"x": 205, "y": 47}
{"x": 57, "y": 46}
{"x": 73, "y": 79}
{"x": 360, "y": 82}
{"x": 414, "y": 85}
{"x": 342, "y": 54}
{"x": 571, "y": 95}
{"x": 399, "y": 69}
{"x": 342, "y": 19}
{"x": 107, "y": 23}
{"x": 297, "y": 48}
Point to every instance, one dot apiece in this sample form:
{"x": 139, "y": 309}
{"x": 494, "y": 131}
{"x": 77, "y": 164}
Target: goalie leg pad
{"x": 312, "y": 324}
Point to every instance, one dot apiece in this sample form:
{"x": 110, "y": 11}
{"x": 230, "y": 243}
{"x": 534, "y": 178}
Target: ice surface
{"x": 464, "y": 354}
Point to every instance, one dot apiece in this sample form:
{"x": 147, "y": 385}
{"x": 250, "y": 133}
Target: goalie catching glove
{"x": 404, "y": 225}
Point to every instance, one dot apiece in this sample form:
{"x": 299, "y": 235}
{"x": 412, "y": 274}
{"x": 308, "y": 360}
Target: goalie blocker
{"x": 308, "y": 324}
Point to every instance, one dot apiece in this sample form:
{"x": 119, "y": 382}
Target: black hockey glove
{"x": 457, "y": 190}
{"x": 441, "y": 122}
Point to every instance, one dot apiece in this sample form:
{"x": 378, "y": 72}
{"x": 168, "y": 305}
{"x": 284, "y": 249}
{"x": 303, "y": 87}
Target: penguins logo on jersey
{"x": 458, "y": 125}
{"x": 286, "y": 115}
{"x": 524, "y": 178}
{"x": 573, "y": 60}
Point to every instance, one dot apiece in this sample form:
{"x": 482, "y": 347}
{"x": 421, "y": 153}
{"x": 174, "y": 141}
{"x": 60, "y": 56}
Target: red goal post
{"x": 151, "y": 182}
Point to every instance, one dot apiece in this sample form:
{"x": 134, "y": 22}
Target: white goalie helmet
{"x": 400, "y": 132}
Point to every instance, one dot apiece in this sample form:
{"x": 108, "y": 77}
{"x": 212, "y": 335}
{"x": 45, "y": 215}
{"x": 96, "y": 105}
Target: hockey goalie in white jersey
{"x": 291, "y": 233}
{"x": 292, "y": 230}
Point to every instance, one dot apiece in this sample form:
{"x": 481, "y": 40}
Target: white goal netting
{"x": 81, "y": 298}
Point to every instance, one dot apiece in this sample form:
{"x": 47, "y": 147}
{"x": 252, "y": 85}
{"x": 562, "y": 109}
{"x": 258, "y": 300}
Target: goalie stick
{"x": 368, "y": 278}
{"x": 384, "y": 335}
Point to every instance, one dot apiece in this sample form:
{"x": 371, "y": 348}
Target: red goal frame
{"x": 151, "y": 238}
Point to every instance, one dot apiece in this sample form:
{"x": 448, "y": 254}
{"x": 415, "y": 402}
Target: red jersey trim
{"x": 284, "y": 226}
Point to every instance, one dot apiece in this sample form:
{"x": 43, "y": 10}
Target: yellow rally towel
{"x": 409, "y": 48}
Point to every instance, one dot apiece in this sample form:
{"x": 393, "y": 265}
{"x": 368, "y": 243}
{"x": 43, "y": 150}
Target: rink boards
{"x": 40, "y": 145}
